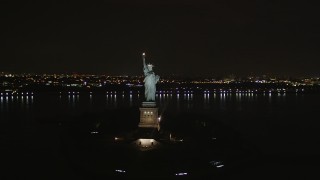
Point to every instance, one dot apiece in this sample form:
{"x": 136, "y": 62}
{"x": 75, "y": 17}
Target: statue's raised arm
{"x": 144, "y": 60}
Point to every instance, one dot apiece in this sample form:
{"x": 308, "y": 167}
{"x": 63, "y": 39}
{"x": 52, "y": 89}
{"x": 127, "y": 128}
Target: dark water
{"x": 283, "y": 128}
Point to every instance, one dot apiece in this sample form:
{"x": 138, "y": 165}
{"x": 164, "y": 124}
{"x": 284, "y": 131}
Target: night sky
{"x": 216, "y": 37}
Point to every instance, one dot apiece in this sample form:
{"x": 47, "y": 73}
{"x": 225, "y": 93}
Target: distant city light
{"x": 12, "y": 83}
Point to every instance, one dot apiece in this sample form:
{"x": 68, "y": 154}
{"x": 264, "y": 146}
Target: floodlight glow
{"x": 217, "y": 164}
{"x": 181, "y": 174}
{"x": 120, "y": 171}
{"x": 146, "y": 142}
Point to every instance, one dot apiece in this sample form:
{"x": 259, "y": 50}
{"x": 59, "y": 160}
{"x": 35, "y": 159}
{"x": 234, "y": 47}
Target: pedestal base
{"x": 149, "y": 115}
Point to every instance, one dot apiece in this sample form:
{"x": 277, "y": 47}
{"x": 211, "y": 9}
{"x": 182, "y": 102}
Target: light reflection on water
{"x": 1, "y": 103}
{"x": 10, "y": 102}
{"x": 122, "y": 99}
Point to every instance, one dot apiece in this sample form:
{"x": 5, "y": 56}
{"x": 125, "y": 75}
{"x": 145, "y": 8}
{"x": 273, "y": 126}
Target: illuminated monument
{"x": 149, "y": 110}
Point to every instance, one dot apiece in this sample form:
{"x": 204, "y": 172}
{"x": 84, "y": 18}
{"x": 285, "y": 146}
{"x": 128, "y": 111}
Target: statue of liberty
{"x": 150, "y": 80}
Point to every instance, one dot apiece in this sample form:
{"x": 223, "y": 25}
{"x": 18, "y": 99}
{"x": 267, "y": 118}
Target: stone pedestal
{"x": 149, "y": 115}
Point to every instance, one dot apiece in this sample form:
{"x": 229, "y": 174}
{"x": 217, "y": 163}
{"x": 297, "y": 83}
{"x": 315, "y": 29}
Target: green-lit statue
{"x": 150, "y": 80}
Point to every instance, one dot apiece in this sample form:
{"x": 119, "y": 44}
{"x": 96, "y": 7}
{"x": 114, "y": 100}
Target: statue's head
{"x": 150, "y": 66}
